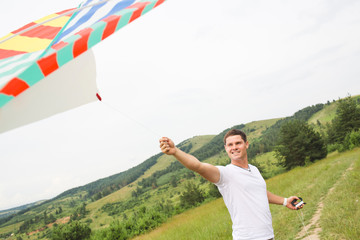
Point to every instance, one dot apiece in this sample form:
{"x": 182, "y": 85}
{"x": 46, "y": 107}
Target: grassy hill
{"x": 156, "y": 187}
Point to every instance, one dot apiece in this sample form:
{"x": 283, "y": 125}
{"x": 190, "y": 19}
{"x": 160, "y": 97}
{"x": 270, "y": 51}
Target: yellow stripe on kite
{"x": 25, "y": 44}
{"x": 58, "y": 22}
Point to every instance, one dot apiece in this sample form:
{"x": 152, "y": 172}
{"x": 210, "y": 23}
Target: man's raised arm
{"x": 206, "y": 170}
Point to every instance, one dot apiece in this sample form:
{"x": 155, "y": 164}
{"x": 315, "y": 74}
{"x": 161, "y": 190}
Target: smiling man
{"x": 241, "y": 185}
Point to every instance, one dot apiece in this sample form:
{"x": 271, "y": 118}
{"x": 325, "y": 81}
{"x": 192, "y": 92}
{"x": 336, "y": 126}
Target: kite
{"x": 47, "y": 66}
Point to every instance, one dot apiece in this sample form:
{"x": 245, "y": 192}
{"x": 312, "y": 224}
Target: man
{"x": 241, "y": 185}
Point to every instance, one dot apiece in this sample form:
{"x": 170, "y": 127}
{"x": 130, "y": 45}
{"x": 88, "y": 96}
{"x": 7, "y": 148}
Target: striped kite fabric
{"x": 95, "y": 21}
{"x": 34, "y": 36}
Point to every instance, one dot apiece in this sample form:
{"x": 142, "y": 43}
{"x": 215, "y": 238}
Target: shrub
{"x": 71, "y": 231}
{"x": 192, "y": 196}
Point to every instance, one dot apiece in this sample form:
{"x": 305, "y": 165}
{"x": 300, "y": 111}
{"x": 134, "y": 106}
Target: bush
{"x": 351, "y": 141}
{"x": 354, "y": 139}
{"x": 332, "y": 147}
{"x": 192, "y": 196}
{"x": 116, "y": 231}
{"x": 71, "y": 231}
{"x": 347, "y": 120}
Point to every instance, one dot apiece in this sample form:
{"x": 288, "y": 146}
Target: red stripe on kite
{"x": 110, "y": 28}
{"x": 81, "y": 45}
{"x": 24, "y": 27}
{"x": 9, "y": 53}
{"x": 48, "y": 64}
{"x": 59, "y": 45}
{"x": 159, "y": 2}
{"x": 137, "y": 13}
{"x": 44, "y": 32}
{"x": 14, "y": 87}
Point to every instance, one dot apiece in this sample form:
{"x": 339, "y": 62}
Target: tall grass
{"x": 212, "y": 221}
{"x": 341, "y": 214}
{"x": 209, "y": 221}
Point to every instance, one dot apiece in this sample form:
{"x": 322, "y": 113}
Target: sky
{"x": 186, "y": 68}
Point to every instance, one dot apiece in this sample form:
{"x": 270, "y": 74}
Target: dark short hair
{"x": 234, "y": 132}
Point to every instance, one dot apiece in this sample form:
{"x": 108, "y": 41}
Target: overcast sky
{"x": 187, "y": 68}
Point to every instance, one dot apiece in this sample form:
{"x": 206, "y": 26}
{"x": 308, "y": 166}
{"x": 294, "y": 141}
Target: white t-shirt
{"x": 245, "y": 196}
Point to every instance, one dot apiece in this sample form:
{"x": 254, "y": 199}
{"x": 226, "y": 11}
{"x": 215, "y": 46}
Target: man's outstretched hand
{"x": 167, "y": 146}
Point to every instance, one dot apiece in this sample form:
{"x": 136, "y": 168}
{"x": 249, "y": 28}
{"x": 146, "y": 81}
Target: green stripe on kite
{"x": 125, "y": 17}
{"x": 148, "y": 7}
{"x": 32, "y": 75}
{"x": 96, "y": 35}
{"x": 4, "y": 99}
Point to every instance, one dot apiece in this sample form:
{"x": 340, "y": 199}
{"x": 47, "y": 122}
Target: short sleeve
{"x": 221, "y": 180}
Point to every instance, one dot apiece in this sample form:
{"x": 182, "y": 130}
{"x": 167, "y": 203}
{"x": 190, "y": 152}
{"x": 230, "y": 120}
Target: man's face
{"x": 236, "y": 147}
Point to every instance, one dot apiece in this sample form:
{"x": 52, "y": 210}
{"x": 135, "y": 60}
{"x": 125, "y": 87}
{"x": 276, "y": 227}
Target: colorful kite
{"x": 47, "y": 66}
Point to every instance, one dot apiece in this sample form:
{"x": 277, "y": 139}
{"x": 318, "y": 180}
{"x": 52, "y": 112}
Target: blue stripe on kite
{"x": 90, "y": 13}
{"x": 82, "y": 20}
{"x": 119, "y": 6}
{"x": 86, "y": 3}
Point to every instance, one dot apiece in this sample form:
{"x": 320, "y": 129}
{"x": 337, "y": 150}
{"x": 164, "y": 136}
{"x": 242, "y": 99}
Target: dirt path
{"x": 314, "y": 222}
{"x": 59, "y": 221}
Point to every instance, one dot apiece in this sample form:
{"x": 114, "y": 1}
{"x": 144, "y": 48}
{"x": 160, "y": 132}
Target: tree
{"x": 299, "y": 142}
{"x": 347, "y": 119}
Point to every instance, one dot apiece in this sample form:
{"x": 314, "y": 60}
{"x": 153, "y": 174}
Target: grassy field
{"x": 341, "y": 214}
{"x": 211, "y": 221}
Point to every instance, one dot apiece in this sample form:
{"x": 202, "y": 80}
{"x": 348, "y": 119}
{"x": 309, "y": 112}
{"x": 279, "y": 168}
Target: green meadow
{"x": 339, "y": 218}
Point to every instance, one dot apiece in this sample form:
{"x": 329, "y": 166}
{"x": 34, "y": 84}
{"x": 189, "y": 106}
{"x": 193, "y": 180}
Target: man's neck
{"x": 243, "y": 163}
